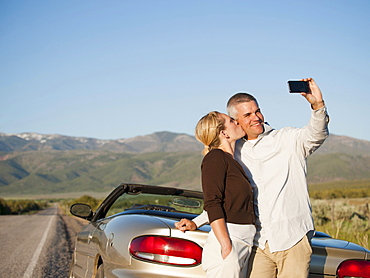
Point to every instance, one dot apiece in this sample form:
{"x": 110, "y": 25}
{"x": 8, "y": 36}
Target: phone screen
{"x": 298, "y": 87}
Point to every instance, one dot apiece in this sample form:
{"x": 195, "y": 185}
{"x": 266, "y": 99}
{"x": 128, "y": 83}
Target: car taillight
{"x": 354, "y": 269}
{"x": 166, "y": 250}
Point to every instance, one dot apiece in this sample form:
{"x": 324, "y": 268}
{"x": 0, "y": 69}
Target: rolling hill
{"x": 34, "y": 164}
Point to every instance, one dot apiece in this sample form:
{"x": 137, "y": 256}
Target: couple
{"x": 269, "y": 167}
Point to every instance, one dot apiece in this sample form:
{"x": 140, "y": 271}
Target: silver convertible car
{"x": 132, "y": 234}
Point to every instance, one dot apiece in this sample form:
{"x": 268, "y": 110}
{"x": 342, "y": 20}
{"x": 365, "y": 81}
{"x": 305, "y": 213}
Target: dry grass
{"x": 346, "y": 219}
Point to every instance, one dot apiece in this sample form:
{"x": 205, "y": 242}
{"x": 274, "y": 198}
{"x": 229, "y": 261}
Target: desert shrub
{"x": 4, "y": 208}
{"x": 320, "y": 212}
{"x": 21, "y": 206}
{"x": 343, "y": 219}
{"x": 340, "y": 190}
{"x": 86, "y": 199}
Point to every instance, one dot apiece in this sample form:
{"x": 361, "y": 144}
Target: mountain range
{"x": 34, "y": 164}
{"x": 156, "y": 142}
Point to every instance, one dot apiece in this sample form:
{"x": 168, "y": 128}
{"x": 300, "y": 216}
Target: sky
{"x": 119, "y": 69}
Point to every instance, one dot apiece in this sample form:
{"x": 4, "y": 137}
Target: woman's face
{"x": 232, "y": 128}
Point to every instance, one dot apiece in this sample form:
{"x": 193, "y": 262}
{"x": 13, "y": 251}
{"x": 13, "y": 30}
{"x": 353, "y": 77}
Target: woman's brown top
{"x": 227, "y": 191}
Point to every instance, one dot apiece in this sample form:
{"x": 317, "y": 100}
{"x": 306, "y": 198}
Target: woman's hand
{"x": 225, "y": 251}
{"x": 220, "y": 230}
{"x": 185, "y": 225}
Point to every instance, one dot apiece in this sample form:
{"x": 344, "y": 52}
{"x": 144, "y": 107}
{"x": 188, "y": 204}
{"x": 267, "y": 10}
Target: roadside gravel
{"x": 62, "y": 245}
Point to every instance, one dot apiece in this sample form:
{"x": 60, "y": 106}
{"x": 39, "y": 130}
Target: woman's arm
{"x": 214, "y": 171}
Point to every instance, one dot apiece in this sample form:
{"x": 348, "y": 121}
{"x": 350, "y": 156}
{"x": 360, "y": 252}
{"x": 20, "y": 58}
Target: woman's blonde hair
{"x": 208, "y": 129}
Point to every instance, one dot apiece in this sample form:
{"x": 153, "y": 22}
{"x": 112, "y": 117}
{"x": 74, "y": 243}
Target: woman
{"x": 228, "y": 198}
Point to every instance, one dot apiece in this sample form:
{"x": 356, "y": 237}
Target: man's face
{"x": 250, "y": 119}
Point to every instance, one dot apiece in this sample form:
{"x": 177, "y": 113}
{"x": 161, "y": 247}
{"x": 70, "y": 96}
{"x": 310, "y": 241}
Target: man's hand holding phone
{"x": 308, "y": 88}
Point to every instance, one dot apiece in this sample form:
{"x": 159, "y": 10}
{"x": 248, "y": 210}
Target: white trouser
{"x": 233, "y": 266}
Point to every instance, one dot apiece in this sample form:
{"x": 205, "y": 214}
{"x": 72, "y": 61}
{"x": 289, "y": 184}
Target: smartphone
{"x": 298, "y": 87}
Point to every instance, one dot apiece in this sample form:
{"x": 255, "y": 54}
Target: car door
{"x": 85, "y": 254}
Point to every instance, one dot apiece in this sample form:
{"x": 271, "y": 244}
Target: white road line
{"x": 36, "y": 255}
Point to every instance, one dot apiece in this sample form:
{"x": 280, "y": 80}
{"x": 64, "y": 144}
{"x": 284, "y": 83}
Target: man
{"x": 275, "y": 162}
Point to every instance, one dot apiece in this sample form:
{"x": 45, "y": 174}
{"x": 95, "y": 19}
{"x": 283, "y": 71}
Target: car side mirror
{"x": 82, "y": 210}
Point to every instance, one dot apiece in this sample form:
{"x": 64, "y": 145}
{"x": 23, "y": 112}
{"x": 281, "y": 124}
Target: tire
{"x": 100, "y": 272}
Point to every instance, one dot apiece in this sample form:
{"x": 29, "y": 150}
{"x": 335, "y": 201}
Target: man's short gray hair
{"x": 237, "y": 98}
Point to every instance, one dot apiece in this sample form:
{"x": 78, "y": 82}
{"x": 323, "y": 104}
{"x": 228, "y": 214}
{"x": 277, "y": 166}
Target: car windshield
{"x": 147, "y": 201}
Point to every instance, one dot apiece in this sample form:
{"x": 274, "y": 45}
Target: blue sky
{"x": 119, "y": 69}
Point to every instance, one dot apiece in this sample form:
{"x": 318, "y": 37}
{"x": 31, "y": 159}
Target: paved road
{"x": 37, "y": 245}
